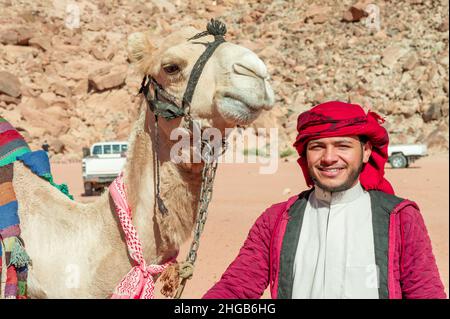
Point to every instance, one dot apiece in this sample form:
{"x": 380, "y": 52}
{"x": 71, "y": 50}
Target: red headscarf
{"x": 336, "y": 118}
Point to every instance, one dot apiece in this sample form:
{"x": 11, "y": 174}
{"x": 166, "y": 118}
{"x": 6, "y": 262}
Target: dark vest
{"x": 382, "y": 205}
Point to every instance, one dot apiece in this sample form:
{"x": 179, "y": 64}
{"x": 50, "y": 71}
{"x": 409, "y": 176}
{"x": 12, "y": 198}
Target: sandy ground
{"x": 241, "y": 194}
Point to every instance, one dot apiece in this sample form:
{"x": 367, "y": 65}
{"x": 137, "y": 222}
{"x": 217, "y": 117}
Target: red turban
{"x": 335, "y": 118}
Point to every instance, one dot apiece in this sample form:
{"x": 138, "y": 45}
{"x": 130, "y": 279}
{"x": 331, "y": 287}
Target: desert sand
{"x": 241, "y": 194}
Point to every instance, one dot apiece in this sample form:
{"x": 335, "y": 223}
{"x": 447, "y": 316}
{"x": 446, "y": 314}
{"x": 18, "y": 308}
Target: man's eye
{"x": 171, "y": 69}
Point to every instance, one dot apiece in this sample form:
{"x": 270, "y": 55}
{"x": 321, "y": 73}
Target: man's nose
{"x": 329, "y": 156}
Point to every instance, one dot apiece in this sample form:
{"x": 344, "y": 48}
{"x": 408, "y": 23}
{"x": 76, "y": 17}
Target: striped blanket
{"x": 12, "y": 143}
{"x": 16, "y": 259}
{"x": 13, "y": 256}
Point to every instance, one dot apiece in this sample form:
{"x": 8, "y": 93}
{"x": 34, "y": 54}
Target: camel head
{"x": 233, "y": 88}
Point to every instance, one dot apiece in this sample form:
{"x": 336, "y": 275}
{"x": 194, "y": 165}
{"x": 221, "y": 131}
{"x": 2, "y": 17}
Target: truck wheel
{"x": 88, "y": 190}
{"x": 398, "y": 161}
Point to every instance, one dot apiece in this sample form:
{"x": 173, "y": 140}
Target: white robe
{"x": 335, "y": 255}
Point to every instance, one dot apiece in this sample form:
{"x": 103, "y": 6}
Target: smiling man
{"x": 348, "y": 236}
{"x": 335, "y": 163}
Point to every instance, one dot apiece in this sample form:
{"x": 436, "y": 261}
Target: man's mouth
{"x": 330, "y": 171}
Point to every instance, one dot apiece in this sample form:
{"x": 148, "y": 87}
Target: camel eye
{"x": 171, "y": 69}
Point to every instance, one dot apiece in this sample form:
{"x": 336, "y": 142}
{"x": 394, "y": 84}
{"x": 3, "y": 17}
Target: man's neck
{"x": 339, "y": 197}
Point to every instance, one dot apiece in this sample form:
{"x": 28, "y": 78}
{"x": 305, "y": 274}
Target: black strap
{"x": 169, "y": 110}
{"x": 198, "y": 69}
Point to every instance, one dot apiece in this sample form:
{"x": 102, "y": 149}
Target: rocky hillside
{"x": 73, "y": 87}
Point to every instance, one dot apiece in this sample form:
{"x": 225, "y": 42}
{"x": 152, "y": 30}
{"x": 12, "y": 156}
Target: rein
{"x": 163, "y": 104}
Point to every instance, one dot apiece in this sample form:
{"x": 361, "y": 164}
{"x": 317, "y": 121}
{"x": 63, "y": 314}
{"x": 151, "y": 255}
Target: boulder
{"x": 411, "y": 62}
{"x": 9, "y": 84}
{"x": 21, "y": 52}
{"x": 317, "y": 14}
{"x": 53, "y": 121}
{"x": 34, "y": 131}
{"x": 392, "y": 54}
{"x": 48, "y": 97}
{"x": 43, "y": 42}
{"x": 81, "y": 87}
{"x": 97, "y": 53}
{"x": 115, "y": 78}
{"x": 16, "y": 36}
{"x": 60, "y": 89}
{"x": 10, "y": 58}
{"x": 24, "y": 35}
{"x": 355, "y": 13}
{"x": 77, "y": 70}
{"x": 36, "y": 103}
{"x": 8, "y": 37}
{"x": 433, "y": 111}
{"x": 437, "y": 141}
{"x": 443, "y": 27}
{"x": 9, "y": 99}
{"x": 57, "y": 146}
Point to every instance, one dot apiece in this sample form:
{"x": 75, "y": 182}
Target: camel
{"x": 78, "y": 249}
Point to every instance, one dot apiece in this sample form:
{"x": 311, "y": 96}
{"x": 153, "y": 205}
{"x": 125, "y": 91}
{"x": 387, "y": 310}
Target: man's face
{"x": 334, "y": 163}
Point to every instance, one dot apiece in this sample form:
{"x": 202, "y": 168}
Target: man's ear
{"x": 367, "y": 151}
{"x": 140, "y": 50}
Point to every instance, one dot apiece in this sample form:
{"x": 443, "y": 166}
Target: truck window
{"x": 124, "y": 148}
{"x": 97, "y": 150}
{"x": 106, "y": 149}
{"x": 116, "y": 149}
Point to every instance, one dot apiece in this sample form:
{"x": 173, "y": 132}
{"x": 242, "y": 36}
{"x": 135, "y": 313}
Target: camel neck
{"x": 161, "y": 234}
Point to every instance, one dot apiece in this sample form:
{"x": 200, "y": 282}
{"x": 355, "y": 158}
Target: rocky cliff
{"x": 73, "y": 85}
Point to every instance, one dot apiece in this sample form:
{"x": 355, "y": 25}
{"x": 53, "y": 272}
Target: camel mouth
{"x": 236, "y": 111}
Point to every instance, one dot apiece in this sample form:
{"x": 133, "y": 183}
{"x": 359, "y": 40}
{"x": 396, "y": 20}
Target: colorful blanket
{"x": 16, "y": 261}
{"x": 12, "y": 144}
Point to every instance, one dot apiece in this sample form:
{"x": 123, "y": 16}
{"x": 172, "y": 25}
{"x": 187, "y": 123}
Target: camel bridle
{"x": 163, "y": 104}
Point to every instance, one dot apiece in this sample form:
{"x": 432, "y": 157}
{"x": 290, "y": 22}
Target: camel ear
{"x": 140, "y": 50}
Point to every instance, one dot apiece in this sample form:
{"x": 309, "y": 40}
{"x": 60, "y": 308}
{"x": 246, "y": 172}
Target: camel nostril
{"x": 242, "y": 70}
{"x": 251, "y": 65}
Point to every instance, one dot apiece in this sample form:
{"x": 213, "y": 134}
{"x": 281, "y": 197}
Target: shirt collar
{"x": 333, "y": 198}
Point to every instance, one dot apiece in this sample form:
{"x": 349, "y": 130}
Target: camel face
{"x": 242, "y": 90}
{"x": 233, "y": 88}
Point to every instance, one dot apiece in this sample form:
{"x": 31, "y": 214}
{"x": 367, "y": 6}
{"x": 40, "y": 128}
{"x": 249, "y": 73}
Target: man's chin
{"x": 335, "y": 187}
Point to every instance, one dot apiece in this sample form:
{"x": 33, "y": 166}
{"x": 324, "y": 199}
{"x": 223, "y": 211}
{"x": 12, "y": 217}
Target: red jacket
{"x": 411, "y": 266}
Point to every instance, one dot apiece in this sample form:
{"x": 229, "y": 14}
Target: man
{"x": 45, "y": 146}
{"x": 348, "y": 236}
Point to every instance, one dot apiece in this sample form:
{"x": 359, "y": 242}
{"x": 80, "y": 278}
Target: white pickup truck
{"x": 101, "y": 164}
{"x": 400, "y": 156}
